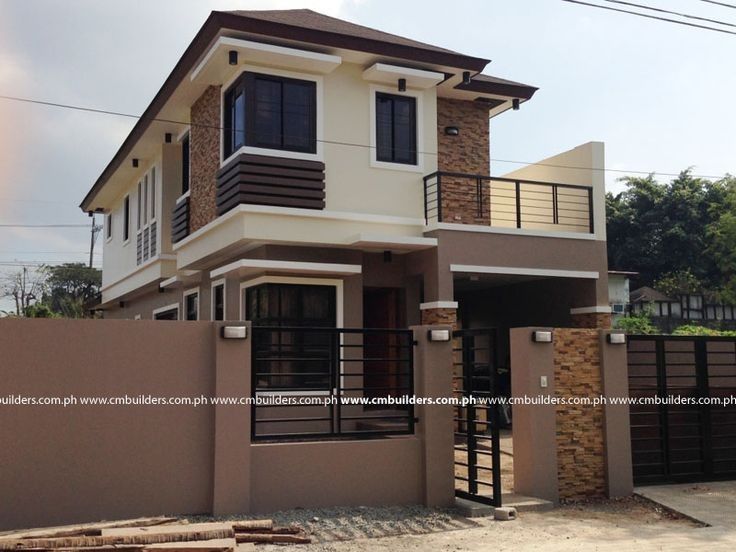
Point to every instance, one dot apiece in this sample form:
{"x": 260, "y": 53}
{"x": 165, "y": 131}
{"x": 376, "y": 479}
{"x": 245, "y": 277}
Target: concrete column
{"x": 617, "y": 431}
{"x": 433, "y": 379}
{"x": 535, "y": 426}
{"x": 231, "y": 486}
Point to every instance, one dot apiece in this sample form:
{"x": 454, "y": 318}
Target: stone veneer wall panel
{"x": 599, "y": 320}
{"x": 467, "y": 153}
{"x": 580, "y": 428}
{"x": 439, "y": 316}
{"x": 204, "y": 146}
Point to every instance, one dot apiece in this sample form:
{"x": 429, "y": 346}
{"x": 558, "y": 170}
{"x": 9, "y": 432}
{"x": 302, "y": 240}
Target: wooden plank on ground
{"x": 167, "y": 529}
{"x": 272, "y": 538}
{"x": 262, "y": 525}
{"x": 215, "y": 545}
{"x": 82, "y": 528}
{"x": 184, "y": 533}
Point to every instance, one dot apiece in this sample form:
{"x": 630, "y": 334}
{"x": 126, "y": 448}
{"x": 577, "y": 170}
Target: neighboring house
{"x": 693, "y": 308}
{"x": 298, "y": 169}
{"x": 619, "y": 283}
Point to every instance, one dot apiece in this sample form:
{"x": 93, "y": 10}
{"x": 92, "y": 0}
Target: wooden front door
{"x": 383, "y": 308}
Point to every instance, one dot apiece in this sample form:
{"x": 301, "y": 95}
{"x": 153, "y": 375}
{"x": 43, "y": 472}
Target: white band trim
{"x": 438, "y": 305}
{"x": 591, "y": 310}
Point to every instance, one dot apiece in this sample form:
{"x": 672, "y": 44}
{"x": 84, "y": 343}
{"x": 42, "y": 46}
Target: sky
{"x": 659, "y": 95}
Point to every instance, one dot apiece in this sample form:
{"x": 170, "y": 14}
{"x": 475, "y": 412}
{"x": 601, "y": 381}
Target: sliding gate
{"x": 679, "y": 431}
{"x": 477, "y": 450}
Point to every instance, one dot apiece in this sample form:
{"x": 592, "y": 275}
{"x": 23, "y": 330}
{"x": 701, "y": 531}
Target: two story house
{"x": 297, "y": 169}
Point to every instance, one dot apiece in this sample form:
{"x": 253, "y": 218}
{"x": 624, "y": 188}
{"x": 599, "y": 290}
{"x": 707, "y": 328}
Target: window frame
{"x": 186, "y": 164}
{"x": 418, "y": 96}
{"x": 412, "y": 103}
{"x": 167, "y": 308}
{"x": 218, "y": 283}
{"x": 318, "y": 81}
{"x": 185, "y": 308}
{"x": 126, "y": 219}
{"x": 108, "y": 227}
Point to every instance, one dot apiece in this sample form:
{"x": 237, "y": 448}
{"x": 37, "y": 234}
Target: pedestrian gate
{"x": 477, "y": 451}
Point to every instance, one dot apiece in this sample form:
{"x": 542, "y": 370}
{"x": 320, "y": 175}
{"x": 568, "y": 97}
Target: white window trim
{"x": 221, "y": 282}
{"x": 172, "y": 306}
{"x": 319, "y": 97}
{"x": 187, "y": 293}
{"x": 108, "y": 227}
{"x": 339, "y": 293}
{"x": 374, "y": 162}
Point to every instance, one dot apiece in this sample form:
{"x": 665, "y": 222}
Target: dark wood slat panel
{"x": 180, "y": 221}
{"x": 266, "y": 180}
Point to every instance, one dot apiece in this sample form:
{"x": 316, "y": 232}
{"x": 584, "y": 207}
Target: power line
{"x": 666, "y": 19}
{"x": 44, "y": 226}
{"x": 335, "y": 142}
{"x": 679, "y": 14}
{"x": 21, "y": 200}
{"x": 719, "y": 4}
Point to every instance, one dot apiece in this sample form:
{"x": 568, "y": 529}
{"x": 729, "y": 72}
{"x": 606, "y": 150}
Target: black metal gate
{"x": 477, "y": 441}
{"x": 678, "y": 433}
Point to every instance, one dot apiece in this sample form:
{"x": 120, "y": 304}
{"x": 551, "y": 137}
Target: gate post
{"x": 433, "y": 379}
{"x": 535, "y": 425}
{"x": 232, "y": 469}
{"x": 617, "y": 435}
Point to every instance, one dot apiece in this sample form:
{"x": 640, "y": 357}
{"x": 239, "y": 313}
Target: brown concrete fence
{"x": 85, "y": 463}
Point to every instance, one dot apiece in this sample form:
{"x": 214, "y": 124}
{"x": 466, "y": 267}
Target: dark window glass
{"x": 172, "y": 314}
{"x": 191, "y": 306}
{"x": 109, "y": 226}
{"x": 126, "y": 218}
{"x": 297, "y": 360}
{"x": 218, "y": 302}
{"x": 185, "y": 165}
{"x": 270, "y": 112}
{"x": 396, "y": 129}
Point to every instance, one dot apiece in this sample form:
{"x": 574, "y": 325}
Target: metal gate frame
{"x": 469, "y": 383}
{"x": 661, "y": 460}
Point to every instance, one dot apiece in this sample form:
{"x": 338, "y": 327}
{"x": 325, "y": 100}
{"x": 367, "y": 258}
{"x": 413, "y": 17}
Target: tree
{"x": 69, "y": 287}
{"x": 722, "y": 240}
{"x": 25, "y": 287}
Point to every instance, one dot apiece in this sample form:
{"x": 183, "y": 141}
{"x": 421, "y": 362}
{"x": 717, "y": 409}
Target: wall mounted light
{"x": 402, "y": 85}
{"x": 234, "y": 332}
{"x": 542, "y": 336}
{"x": 232, "y": 57}
{"x": 439, "y": 335}
{"x": 515, "y": 103}
{"x": 135, "y": 162}
{"x": 168, "y": 137}
{"x": 616, "y": 338}
{"x": 121, "y": 304}
{"x": 452, "y": 130}
{"x": 388, "y": 256}
{"x": 466, "y": 77}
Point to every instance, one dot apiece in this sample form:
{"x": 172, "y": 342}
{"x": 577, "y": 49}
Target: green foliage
{"x": 692, "y": 329}
{"x": 40, "y": 310}
{"x": 676, "y": 283}
{"x": 636, "y": 324}
{"x": 69, "y": 287}
{"x": 666, "y": 231}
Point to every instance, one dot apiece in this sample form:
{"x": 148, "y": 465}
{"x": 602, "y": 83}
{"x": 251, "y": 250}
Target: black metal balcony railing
{"x": 506, "y": 202}
{"x": 333, "y": 368}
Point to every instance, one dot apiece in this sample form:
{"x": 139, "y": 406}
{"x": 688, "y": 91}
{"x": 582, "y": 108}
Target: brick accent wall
{"x": 592, "y": 320}
{"x": 440, "y": 316}
{"x": 204, "y": 155}
{"x": 580, "y": 440}
{"x": 466, "y": 153}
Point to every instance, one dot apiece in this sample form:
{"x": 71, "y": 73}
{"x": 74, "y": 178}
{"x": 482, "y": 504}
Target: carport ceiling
{"x": 472, "y": 282}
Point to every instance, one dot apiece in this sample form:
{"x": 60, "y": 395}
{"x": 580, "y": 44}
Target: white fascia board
{"x": 288, "y": 267}
{"x": 432, "y": 226}
{"x": 521, "y": 271}
{"x": 391, "y": 242}
{"x": 438, "y": 305}
{"x": 592, "y": 310}
{"x": 390, "y": 74}
{"x": 215, "y": 61}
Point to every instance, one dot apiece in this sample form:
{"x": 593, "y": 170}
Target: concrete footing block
{"x": 504, "y": 513}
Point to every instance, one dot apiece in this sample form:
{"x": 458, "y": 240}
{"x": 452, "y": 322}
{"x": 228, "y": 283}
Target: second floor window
{"x": 267, "y": 111}
{"x": 185, "y": 164}
{"x": 126, "y": 218}
{"x": 396, "y": 129}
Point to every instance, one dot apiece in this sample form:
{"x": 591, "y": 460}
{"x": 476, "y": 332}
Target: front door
{"x": 383, "y": 309}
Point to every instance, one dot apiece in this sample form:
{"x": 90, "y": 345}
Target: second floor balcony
{"x": 511, "y": 203}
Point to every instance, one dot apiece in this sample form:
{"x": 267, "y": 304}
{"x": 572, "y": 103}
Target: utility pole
{"x": 94, "y": 231}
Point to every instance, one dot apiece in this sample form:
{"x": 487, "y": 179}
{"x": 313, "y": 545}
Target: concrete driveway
{"x": 711, "y": 503}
